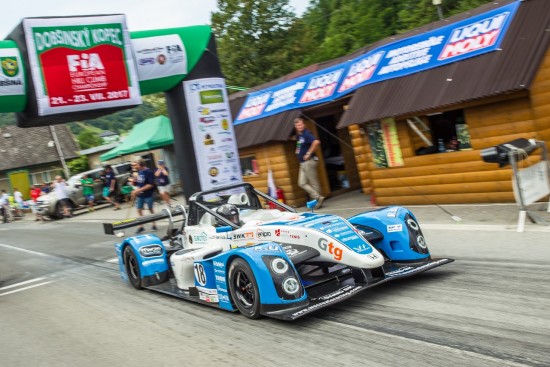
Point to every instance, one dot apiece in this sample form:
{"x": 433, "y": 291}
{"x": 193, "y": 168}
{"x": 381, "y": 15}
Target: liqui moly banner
{"x": 81, "y": 63}
{"x": 452, "y": 43}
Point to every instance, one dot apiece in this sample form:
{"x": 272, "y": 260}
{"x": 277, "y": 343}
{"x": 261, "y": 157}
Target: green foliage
{"x": 78, "y": 165}
{"x": 88, "y": 139}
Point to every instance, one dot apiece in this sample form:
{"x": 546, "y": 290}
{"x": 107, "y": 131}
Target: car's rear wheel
{"x": 244, "y": 289}
{"x": 132, "y": 267}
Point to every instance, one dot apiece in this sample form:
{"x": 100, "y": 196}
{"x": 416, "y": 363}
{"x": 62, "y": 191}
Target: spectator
{"x": 19, "y": 202}
{"x": 88, "y": 190}
{"x": 61, "y": 192}
{"x": 36, "y": 192}
{"x": 306, "y": 145}
{"x": 163, "y": 182}
{"x": 5, "y": 206}
{"x": 109, "y": 186}
{"x": 45, "y": 188}
{"x": 143, "y": 194}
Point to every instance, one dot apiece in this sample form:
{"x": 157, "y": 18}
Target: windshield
{"x": 74, "y": 180}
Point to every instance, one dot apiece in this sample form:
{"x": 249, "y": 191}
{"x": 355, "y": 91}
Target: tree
{"x": 79, "y": 164}
{"x": 252, "y": 40}
{"x": 88, "y": 139}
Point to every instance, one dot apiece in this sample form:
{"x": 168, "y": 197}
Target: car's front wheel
{"x": 132, "y": 267}
{"x": 244, "y": 289}
{"x": 59, "y": 211}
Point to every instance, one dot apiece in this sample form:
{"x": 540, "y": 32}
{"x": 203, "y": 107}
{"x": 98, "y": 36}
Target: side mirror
{"x": 224, "y": 229}
{"x": 311, "y": 204}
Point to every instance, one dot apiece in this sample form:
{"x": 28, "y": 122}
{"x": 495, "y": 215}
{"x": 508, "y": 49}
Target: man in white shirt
{"x": 60, "y": 189}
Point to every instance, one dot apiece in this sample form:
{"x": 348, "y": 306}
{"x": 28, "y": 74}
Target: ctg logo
{"x": 84, "y": 62}
{"x": 325, "y": 245}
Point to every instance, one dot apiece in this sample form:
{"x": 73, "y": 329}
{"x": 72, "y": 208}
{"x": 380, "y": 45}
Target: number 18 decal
{"x": 200, "y": 275}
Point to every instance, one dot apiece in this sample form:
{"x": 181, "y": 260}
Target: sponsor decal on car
{"x": 151, "y": 251}
{"x": 331, "y": 248}
{"x": 394, "y": 228}
{"x": 243, "y": 236}
{"x": 152, "y": 262}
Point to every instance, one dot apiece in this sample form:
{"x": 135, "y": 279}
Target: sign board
{"x": 211, "y": 125}
{"x": 533, "y": 183}
{"x": 81, "y": 63}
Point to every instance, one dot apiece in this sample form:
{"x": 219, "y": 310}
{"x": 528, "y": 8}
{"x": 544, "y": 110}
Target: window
{"x": 440, "y": 132}
{"x": 249, "y": 166}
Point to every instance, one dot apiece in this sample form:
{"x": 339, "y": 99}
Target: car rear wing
{"x": 172, "y": 214}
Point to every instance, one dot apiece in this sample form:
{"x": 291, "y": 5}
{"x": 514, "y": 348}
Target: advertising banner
{"x": 160, "y": 57}
{"x": 464, "y": 39}
{"x": 81, "y": 63}
{"x": 392, "y": 148}
{"x": 12, "y": 79}
{"x": 212, "y": 130}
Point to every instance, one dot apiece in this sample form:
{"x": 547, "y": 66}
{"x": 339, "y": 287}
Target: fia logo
{"x": 84, "y": 62}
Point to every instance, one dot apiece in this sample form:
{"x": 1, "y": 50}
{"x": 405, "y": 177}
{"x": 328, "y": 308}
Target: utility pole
{"x": 60, "y": 153}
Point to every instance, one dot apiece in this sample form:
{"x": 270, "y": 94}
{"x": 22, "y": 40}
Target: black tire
{"x": 244, "y": 289}
{"x": 132, "y": 268}
{"x": 59, "y": 212}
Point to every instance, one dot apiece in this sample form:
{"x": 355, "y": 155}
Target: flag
{"x": 271, "y": 188}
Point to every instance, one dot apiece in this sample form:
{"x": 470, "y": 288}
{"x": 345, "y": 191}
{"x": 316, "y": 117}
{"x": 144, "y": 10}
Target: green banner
{"x": 13, "y": 97}
{"x": 154, "y": 49}
{"x": 163, "y": 57}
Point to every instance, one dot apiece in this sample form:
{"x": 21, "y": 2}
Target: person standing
{"x": 18, "y": 197}
{"x": 143, "y": 194}
{"x": 163, "y": 182}
{"x": 36, "y": 192}
{"x": 60, "y": 189}
{"x": 109, "y": 186}
{"x": 5, "y": 206}
{"x": 88, "y": 190}
{"x": 306, "y": 146}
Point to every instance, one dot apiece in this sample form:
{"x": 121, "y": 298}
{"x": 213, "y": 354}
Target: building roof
{"x": 99, "y": 148}
{"x": 107, "y": 133}
{"x": 26, "y": 147}
{"x": 508, "y": 70}
{"x": 278, "y": 127}
{"x": 505, "y": 71}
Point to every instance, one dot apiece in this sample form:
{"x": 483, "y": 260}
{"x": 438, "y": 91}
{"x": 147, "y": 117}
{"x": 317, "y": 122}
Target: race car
{"x": 233, "y": 253}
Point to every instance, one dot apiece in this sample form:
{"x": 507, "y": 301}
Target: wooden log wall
{"x": 462, "y": 177}
{"x": 540, "y": 100}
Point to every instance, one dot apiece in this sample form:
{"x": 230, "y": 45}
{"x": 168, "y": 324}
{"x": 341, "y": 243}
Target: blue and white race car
{"x": 234, "y": 254}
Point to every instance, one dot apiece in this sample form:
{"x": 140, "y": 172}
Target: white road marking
{"x": 24, "y": 250}
{"x": 427, "y": 343}
{"x": 25, "y": 288}
{"x": 113, "y": 260}
{"x": 22, "y": 283}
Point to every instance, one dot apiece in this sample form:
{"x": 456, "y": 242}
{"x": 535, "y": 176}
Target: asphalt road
{"x": 62, "y": 304}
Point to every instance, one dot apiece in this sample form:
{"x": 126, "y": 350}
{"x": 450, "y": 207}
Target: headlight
{"x": 291, "y": 285}
{"x": 279, "y": 265}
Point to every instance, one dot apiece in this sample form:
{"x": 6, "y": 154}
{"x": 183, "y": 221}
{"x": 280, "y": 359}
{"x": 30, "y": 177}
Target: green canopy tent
{"x": 149, "y": 134}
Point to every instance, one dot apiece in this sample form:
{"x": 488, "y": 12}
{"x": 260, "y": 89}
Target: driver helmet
{"x": 230, "y": 212}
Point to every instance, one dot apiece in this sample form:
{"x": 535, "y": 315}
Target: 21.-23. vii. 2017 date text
{"x": 89, "y": 98}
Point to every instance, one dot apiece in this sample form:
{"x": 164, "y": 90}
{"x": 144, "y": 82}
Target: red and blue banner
{"x": 455, "y": 42}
